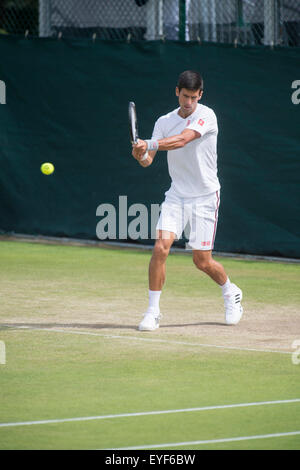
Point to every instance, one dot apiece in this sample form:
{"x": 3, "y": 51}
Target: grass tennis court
{"x": 69, "y": 319}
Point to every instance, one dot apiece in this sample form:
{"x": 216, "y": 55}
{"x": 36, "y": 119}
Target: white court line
{"x": 142, "y": 338}
{"x": 149, "y": 413}
{"x": 211, "y": 441}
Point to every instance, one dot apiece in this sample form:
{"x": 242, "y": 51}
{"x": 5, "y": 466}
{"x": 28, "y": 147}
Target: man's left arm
{"x": 168, "y": 143}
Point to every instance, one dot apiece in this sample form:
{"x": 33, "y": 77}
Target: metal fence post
{"x": 44, "y": 18}
{"x": 160, "y": 22}
{"x": 154, "y": 20}
{"x": 271, "y": 24}
{"x": 214, "y": 20}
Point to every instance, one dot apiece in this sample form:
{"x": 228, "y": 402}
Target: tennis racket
{"x": 133, "y": 129}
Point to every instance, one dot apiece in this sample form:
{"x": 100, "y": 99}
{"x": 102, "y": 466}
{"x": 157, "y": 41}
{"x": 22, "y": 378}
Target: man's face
{"x": 188, "y": 100}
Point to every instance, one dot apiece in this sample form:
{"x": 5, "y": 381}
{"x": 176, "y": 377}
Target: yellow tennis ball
{"x": 47, "y": 168}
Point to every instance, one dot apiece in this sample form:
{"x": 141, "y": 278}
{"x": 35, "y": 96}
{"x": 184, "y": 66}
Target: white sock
{"x": 226, "y": 288}
{"x": 154, "y": 296}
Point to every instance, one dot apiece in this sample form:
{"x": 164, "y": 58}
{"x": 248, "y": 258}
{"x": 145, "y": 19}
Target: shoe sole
{"x": 236, "y": 322}
{"x": 148, "y": 329}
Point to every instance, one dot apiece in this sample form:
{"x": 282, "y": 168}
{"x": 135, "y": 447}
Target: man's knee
{"x": 161, "y": 250}
{"x": 202, "y": 262}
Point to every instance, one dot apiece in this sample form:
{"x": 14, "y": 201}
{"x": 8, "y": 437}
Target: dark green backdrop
{"x": 67, "y": 104}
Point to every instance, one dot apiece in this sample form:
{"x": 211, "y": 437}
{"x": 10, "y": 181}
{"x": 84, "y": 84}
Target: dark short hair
{"x": 190, "y": 80}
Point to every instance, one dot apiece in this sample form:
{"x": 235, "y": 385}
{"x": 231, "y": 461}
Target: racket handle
{"x": 145, "y": 156}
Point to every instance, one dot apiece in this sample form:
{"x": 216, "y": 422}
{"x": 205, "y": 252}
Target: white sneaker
{"x": 233, "y": 307}
{"x": 150, "y": 321}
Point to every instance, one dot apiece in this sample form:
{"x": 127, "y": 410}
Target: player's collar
{"x": 190, "y": 116}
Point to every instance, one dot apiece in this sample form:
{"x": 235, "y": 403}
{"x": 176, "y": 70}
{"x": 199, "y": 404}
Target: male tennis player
{"x": 189, "y": 134}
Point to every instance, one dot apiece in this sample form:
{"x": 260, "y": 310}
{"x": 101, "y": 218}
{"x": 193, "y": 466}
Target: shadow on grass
{"x": 97, "y": 326}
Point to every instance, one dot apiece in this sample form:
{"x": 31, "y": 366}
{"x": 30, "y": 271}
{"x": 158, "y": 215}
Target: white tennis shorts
{"x": 197, "y": 217}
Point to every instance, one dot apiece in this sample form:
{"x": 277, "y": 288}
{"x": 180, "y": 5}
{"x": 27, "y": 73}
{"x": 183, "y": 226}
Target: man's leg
{"x": 205, "y": 262}
{"x": 157, "y": 276}
{"x": 157, "y": 266}
{"x": 231, "y": 293}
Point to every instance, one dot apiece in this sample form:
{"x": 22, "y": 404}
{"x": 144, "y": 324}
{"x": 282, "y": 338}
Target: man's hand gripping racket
{"x": 138, "y": 153}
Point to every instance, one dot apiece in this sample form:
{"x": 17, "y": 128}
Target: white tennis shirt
{"x": 193, "y": 168}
